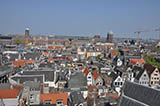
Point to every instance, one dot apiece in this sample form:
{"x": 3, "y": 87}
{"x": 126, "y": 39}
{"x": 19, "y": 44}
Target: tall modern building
{"x": 26, "y": 38}
{"x": 109, "y": 37}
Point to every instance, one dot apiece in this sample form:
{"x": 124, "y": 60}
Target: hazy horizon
{"x": 80, "y": 18}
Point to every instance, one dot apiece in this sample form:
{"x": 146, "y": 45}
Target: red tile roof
{"x": 21, "y": 63}
{"x": 113, "y": 95}
{"x": 46, "y": 53}
{"x": 91, "y": 88}
{"x": 54, "y": 47}
{"x": 81, "y": 68}
{"x": 134, "y": 61}
{"x": 114, "y": 52}
{"x": 18, "y": 63}
{"x": 21, "y": 104}
{"x": 9, "y": 93}
{"x": 54, "y": 97}
{"x": 86, "y": 72}
{"x": 95, "y": 75}
{"x": 93, "y": 91}
{"x": 50, "y": 60}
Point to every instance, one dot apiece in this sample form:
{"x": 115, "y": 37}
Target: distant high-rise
{"x": 26, "y": 37}
{"x": 109, "y": 37}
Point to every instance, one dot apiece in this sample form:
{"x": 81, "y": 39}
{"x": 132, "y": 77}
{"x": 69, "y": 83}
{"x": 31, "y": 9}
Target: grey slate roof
{"x": 49, "y": 65}
{"x": 141, "y": 93}
{"x": 139, "y": 74}
{"x": 13, "y": 57}
{"x": 48, "y": 75}
{"x": 32, "y": 55}
{"x": 6, "y": 72}
{"x": 113, "y": 76}
{"x": 5, "y": 86}
{"x": 33, "y": 85}
{"x": 76, "y": 97}
{"x": 3, "y": 68}
{"x": 78, "y": 80}
{"x": 25, "y": 78}
{"x": 126, "y": 101}
{"x": 137, "y": 70}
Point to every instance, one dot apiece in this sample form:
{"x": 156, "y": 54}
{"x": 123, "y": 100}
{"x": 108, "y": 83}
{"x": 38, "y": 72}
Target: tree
{"x": 151, "y": 60}
{"x": 18, "y": 41}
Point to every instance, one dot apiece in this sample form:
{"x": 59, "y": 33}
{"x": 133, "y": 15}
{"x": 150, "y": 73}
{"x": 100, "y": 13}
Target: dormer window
{"x": 48, "y": 102}
{"x": 59, "y": 102}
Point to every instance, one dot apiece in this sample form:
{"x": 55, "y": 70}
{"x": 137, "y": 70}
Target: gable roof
{"x": 139, "y": 74}
{"x": 54, "y": 97}
{"x": 149, "y": 68}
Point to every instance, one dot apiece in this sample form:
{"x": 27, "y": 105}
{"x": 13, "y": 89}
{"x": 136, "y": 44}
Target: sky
{"x": 80, "y": 17}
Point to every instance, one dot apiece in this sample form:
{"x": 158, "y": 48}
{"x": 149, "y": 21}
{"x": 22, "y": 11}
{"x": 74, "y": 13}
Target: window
{"x": 118, "y": 83}
{"x": 119, "y": 79}
{"x": 31, "y": 96}
{"x": 121, "y": 83}
{"x": 115, "y": 83}
{"x": 45, "y": 85}
{"x": 89, "y": 77}
{"x": 48, "y": 102}
{"x": 59, "y": 102}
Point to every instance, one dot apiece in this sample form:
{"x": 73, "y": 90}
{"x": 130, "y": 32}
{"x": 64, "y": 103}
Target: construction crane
{"x": 138, "y": 39}
{"x": 138, "y": 32}
{"x": 158, "y": 30}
